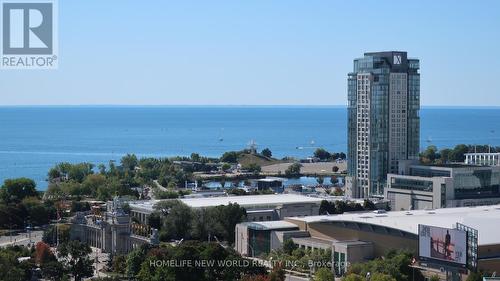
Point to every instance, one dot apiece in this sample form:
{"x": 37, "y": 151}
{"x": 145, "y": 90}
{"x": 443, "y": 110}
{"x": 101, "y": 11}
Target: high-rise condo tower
{"x": 383, "y": 119}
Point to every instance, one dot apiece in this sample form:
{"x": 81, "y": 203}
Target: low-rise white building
{"x": 443, "y": 186}
{"x": 259, "y": 207}
{"x": 483, "y": 159}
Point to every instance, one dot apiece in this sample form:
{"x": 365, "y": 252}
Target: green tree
{"x": 38, "y": 213}
{"x": 92, "y": 183}
{"x": 134, "y": 260}
{"x": 327, "y": 207}
{"x": 195, "y": 157}
{"x": 353, "y": 277}
{"x": 445, "y": 155}
{"x": 429, "y": 155}
{"x": 129, "y": 162}
{"x": 12, "y": 215}
{"x": 224, "y": 219}
{"x": 15, "y": 190}
{"x": 267, "y": 152}
{"x": 154, "y": 220}
{"x": 53, "y": 174}
{"x": 53, "y": 270}
{"x": 368, "y": 205}
{"x": 289, "y": 246}
{"x": 177, "y": 219}
{"x": 119, "y": 264}
{"x": 324, "y": 274}
{"x": 10, "y": 268}
{"x": 102, "y": 169}
{"x": 78, "y": 172}
{"x": 458, "y": 153}
{"x": 194, "y": 251}
{"x": 382, "y": 277}
{"x": 322, "y": 154}
{"x": 395, "y": 264}
{"x": 320, "y": 180}
{"x": 293, "y": 170}
{"x": 474, "y": 276}
{"x": 277, "y": 274}
{"x": 225, "y": 167}
{"x": 230, "y": 157}
{"x": 76, "y": 260}
{"x": 435, "y": 277}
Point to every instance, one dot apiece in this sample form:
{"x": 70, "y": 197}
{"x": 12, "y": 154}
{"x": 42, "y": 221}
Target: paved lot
{"x": 289, "y": 277}
{"x": 21, "y": 239}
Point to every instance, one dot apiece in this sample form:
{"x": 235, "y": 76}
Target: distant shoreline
{"x": 230, "y": 106}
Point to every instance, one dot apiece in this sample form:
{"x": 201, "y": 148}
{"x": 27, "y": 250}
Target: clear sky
{"x": 259, "y": 52}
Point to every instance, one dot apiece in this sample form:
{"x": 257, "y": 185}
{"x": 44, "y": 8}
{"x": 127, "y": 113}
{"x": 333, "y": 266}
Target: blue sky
{"x": 259, "y": 52}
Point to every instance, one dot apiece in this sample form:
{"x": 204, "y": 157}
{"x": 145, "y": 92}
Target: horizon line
{"x": 237, "y": 105}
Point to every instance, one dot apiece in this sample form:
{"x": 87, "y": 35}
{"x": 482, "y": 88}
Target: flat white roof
{"x": 483, "y": 153}
{"x": 486, "y": 219}
{"x": 271, "y": 179}
{"x": 270, "y": 225}
{"x": 265, "y": 201}
{"x": 250, "y": 200}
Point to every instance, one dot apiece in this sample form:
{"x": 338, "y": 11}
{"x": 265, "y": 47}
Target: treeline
{"x": 300, "y": 259}
{"x": 233, "y": 156}
{"x": 394, "y": 266}
{"x": 104, "y": 182}
{"x": 175, "y": 221}
{"x": 73, "y": 260}
{"x": 21, "y": 205}
{"x": 324, "y": 155}
{"x": 149, "y": 263}
{"x": 341, "y": 206}
{"x": 432, "y": 155}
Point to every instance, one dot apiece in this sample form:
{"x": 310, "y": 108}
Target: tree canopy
{"x": 192, "y": 252}
{"x": 76, "y": 260}
{"x": 15, "y": 190}
{"x": 293, "y": 170}
{"x": 179, "y": 221}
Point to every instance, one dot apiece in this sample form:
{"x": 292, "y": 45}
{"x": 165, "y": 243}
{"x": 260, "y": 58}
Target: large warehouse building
{"x": 259, "y": 207}
{"x": 399, "y": 230}
{"x": 358, "y": 237}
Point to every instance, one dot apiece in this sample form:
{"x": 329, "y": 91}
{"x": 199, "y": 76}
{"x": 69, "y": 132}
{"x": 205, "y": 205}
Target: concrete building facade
{"x": 419, "y": 187}
{"x": 112, "y": 232}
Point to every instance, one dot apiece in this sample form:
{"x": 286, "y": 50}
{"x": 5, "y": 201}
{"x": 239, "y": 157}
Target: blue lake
{"x": 33, "y": 139}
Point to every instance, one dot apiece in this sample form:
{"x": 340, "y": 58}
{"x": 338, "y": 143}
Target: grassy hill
{"x": 245, "y": 159}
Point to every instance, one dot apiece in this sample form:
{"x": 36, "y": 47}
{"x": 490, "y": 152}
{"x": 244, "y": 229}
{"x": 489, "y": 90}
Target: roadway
{"x": 21, "y": 239}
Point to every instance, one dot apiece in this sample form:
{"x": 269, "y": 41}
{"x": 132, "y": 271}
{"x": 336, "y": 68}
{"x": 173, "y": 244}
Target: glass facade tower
{"x": 383, "y": 119}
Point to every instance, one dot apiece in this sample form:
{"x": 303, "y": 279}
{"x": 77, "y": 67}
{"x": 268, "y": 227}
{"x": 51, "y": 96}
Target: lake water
{"x": 33, "y": 139}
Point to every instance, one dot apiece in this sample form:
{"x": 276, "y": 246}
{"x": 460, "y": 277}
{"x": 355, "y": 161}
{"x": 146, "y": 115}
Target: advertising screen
{"x": 442, "y": 244}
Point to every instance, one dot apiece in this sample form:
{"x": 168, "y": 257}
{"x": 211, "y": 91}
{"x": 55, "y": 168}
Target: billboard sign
{"x": 442, "y": 245}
